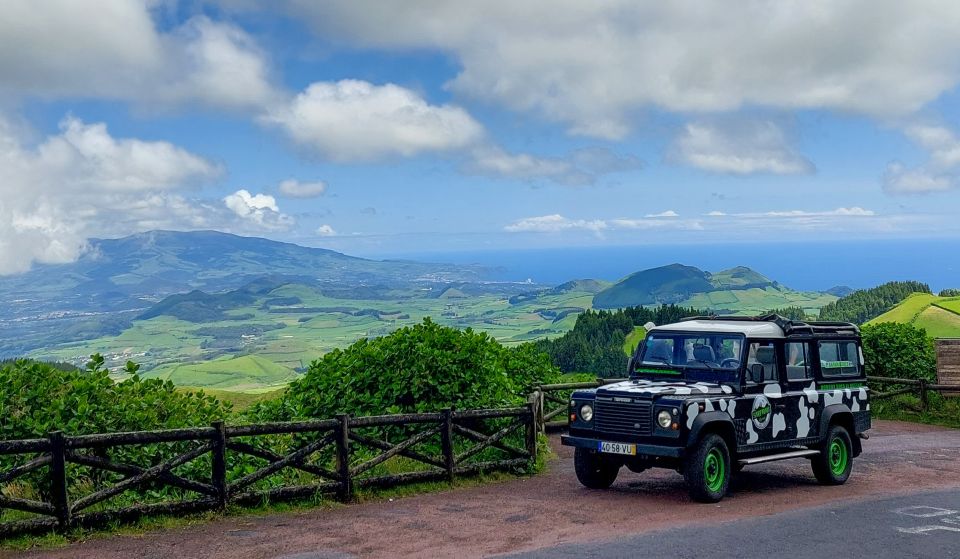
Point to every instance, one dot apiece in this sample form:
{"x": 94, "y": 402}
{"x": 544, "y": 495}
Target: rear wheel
{"x": 832, "y": 466}
{"x": 593, "y": 470}
{"x": 707, "y": 470}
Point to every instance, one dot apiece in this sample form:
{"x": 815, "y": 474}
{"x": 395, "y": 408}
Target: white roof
{"x": 749, "y": 329}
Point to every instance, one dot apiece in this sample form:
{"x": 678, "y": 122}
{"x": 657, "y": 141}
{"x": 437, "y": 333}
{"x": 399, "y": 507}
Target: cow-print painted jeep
{"x": 709, "y": 395}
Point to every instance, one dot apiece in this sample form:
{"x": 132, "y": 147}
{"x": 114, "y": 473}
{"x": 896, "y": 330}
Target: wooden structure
{"x": 212, "y": 467}
{"x": 948, "y": 364}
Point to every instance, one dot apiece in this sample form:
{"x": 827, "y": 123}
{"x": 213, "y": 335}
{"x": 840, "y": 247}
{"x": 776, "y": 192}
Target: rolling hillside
{"x": 738, "y": 290}
{"x": 117, "y": 279}
{"x": 939, "y": 316}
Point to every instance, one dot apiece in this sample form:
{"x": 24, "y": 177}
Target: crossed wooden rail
{"x": 333, "y": 455}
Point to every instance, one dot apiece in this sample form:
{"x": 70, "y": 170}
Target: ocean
{"x": 805, "y": 266}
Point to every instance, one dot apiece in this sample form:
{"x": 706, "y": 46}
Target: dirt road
{"x": 544, "y": 511}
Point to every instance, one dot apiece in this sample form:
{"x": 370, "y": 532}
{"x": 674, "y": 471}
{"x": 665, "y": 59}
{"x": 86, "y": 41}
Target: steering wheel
{"x": 730, "y": 363}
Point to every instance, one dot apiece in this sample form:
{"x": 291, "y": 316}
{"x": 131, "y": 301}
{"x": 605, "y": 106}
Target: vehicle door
{"x": 801, "y": 405}
{"x": 762, "y": 391}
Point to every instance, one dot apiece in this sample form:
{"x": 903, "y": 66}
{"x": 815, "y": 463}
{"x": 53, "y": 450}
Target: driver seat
{"x": 704, "y": 353}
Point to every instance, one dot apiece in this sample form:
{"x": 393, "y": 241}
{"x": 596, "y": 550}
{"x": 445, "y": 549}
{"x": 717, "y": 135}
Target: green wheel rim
{"x": 714, "y": 470}
{"x": 838, "y": 456}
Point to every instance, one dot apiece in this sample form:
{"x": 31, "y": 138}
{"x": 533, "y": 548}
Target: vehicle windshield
{"x": 699, "y": 356}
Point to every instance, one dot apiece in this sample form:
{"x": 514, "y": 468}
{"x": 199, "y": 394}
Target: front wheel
{"x": 593, "y": 470}
{"x": 707, "y": 470}
{"x": 832, "y": 466}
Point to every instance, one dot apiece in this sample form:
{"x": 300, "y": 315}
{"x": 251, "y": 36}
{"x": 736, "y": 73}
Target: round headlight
{"x": 664, "y": 419}
{"x": 586, "y": 412}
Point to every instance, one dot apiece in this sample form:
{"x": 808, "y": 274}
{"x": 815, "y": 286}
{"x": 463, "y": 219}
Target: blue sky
{"x": 388, "y": 128}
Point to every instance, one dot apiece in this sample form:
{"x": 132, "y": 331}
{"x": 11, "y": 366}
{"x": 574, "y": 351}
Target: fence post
{"x": 58, "y": 478}
{"x": 446, "y": 442}
{"x": 218, "y": 472}
{"x": 923, "y": 395}
{"x": 345, "y": 491}
{"x": 531, "y": 433}
{"x": 538, "y": 411}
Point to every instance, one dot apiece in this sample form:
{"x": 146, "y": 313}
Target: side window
{"x": 761, "y": 363}
{"x": 839, "y": 359}
{"x": 798, "y": 362}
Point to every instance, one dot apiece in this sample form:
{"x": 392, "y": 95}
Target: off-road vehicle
{"x": 709, "y": 395}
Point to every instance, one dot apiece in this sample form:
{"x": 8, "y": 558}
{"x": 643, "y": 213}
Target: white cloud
{"x": 296, "y": 189}
{"x": 83, "y": 182}
{"x": 259, "y": 209}
{"x": 747, "y": 225}
{"x": 97, "y": 160}
{"x": 940, "y": 172}
{"x": 554, "y": 224}
{"x": 739, "y": 148}
{"x": 326, "y": 231}
{"x": 592, "y": 64}
{"x": 668, "y": 213}
{"x": 354, "y": 120}
{"x": 114, "y": 50}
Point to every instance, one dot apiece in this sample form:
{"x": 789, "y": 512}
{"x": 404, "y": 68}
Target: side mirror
{"x": 756, "y": 373}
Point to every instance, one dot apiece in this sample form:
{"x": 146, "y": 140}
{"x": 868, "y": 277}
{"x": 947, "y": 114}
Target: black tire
{"x": 835, "y": 461}
{"x": 708, "y": 469}
{"x": 593, "y": 470}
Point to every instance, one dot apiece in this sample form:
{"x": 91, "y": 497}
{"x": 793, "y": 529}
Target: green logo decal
{"x": 840, "y": 385}
{"x": 658, "y": 372}
{"x": 760, "y": 413}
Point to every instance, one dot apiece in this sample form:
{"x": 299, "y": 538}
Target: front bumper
{"x": 642, "y": 449}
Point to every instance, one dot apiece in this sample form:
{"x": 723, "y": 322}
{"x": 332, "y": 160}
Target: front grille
{"x": 623, "y": 418}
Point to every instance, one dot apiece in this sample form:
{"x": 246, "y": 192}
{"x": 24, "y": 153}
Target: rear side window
{"x": 839, "y": 359}
{"x": 798, "y": 362}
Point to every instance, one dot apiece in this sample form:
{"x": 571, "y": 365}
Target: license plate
{"x": 617, "y": 448}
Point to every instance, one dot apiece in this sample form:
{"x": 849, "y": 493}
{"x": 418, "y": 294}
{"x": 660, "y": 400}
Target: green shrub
{"x": 426, "y": 367}
{"x": 893, "y": 349}
{"x": 36, "y": 398}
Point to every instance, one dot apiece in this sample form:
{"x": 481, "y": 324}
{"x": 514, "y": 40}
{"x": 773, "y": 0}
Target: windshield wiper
{"x": 709, "y": 365}
{"x": 663, "y": 360}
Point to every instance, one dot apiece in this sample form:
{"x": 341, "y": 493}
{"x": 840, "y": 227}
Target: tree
{"x": 421, "y": 368}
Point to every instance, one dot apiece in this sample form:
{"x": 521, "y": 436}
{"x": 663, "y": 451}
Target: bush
{"x": 892, "y": 349}
{"x": 422, "y": 368}
{"x": 36, "y": 398}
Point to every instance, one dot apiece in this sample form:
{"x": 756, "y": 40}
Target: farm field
{"x": 262, "y": 345}
{"x": 758, "y": 300}
{"x": 939, "y": 316}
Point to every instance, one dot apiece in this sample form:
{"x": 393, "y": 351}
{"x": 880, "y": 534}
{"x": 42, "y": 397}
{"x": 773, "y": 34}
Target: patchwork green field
{"x": 758, "y": 300}
{"x": 264, "y": 343}
{"x": 939, "y": 316}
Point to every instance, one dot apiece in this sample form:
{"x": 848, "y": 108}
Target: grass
{"x": 235, "y": 373}
{"x": 632, "y": 339}
{"x": 939, "y": 316}
{"x": 941, "y": 411}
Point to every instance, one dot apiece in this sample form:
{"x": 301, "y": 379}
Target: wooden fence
{"x": 208, "y": 468}
{"x": 554, "y": 399}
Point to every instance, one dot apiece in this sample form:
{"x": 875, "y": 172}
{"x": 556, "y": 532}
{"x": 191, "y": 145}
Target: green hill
{"x": 738, "y": 290}
{"x": 865, "y": 304}
{"x": 663, "y": 285}
{"x": 939, "y": 316}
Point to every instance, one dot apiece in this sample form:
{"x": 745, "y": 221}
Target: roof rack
{"x": 789, "y": 326}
